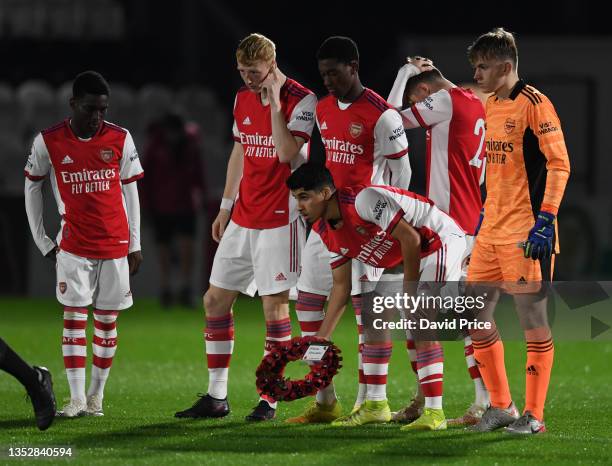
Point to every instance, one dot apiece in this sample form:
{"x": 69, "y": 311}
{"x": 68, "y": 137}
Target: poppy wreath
{"x": 270, "y": 380}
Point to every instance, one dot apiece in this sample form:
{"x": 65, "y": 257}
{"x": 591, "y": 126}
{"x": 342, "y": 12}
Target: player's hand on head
{"x": 422, "y": 63}
{"x": 220, "y": 223}
{"x": 52, "y": 255}
{"x": 134, "y": 261}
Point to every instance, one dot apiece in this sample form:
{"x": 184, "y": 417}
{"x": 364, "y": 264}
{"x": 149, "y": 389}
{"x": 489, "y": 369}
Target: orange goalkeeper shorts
{"x": 505, "y": 266}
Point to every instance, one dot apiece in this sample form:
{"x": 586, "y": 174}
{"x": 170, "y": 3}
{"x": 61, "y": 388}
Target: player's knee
{"x": 215, "y": 305}
{"x": 424, "y": 345}
{"x": 211, "y": 302}
{"x": 276, "y": 307}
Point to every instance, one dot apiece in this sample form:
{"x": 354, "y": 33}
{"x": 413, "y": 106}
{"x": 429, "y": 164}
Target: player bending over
{"x": 385, "y": 227}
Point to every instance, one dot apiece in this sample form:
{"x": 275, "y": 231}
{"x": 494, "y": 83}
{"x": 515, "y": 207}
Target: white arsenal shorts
{"x": 445, "y": 265}
{"x": 316, "y": 276}
{"x": 266, "y": 261}
{"x": 105, "y": 283}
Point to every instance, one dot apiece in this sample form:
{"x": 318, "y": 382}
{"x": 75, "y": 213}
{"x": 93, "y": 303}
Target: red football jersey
{"x": 455, "y": 123}
{"x": 369, "y": 214}
{"x": 264, "y": 201}
{"x": 86, "y": 177}
{"x": 359, "y": 137}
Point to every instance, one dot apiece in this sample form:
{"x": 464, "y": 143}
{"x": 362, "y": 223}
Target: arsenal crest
{"x": 355, "y": 129}
{"x": 106, "y": 155}
{"x": 509, "y": 125}
{"x": 62, "y": 287}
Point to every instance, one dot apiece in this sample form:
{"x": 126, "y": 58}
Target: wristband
{"x": 226, "y": 204}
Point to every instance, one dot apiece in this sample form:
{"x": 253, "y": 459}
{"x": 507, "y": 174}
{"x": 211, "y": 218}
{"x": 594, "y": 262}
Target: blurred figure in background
{"x": 172, "y": 194}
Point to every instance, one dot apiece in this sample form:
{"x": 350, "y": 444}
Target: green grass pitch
{"x": 160, "y": 367}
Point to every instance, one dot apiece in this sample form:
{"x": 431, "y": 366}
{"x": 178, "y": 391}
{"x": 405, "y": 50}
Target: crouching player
{"x": 384, "y": 227}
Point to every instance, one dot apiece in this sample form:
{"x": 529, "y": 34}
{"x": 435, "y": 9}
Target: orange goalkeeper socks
{"x": 540, "y": 355}
{"x": 489, "y": 355}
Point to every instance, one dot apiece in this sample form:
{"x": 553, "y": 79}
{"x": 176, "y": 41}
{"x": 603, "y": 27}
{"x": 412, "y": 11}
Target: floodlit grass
{"x": 160, "y": 367}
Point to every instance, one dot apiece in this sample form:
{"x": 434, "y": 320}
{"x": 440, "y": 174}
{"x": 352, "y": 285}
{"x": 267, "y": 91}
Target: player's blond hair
{"x": 498, "y": 44}
{"x": 255, "y": 47}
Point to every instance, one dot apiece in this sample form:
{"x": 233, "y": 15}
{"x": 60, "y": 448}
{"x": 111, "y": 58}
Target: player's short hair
{"x": 312, "y": 176}
{"x": 343, "y": 49}
{"x": 429, "y": 76}
{"x": 498, "y": 44}
{"x": 255, "y": 47}
{"x": 90, "y": 82}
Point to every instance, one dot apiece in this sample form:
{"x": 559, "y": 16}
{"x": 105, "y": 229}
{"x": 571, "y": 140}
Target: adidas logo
{"x": 247, "y": 121}
{"x": 344, "y": 251}
{"x": 522, "y": 281}
{"x": 67, "y": 160}
{"x": 324, "y": 125}
{"x": 531, "y": 370}
{"x": 364, "y": 278}
{"x": 280, "y": 277}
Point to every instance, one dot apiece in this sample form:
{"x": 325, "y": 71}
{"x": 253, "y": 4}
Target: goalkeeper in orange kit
{"x": 527, "y": 171}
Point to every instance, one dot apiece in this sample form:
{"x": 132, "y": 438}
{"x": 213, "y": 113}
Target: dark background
{"x": 185, "y": 43}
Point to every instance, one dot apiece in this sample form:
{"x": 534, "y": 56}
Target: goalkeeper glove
{"x": 539, "y": 244}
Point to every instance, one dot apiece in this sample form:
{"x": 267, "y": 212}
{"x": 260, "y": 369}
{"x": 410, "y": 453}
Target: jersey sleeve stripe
{"x": 346, "y": 198}
{"x": 297, "y": 92}
{"x": 531, "y": 97}
{"x": 33, "y": 177}
{"x": 339, "y": 262}
{"x": 376, "y": 98}
{"x": 418, "y": 117}
{"x": 377, "y": 103}
{"x": 400, "y": 214}
{"x": 236, "y": 138}
{"x": 397, "y": 155}
{"x": 301, "y": 134}
{"x": 531, "y": 91}
{"x": 133, "y": 178}
{"x": 115, "y": 127}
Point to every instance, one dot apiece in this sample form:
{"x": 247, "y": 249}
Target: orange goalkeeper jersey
{"x": 527, "y": 164}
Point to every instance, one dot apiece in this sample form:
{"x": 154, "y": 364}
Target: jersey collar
{"x": 67, "y": 122}
{"x": 348, "y": 104}
{"x": 516, "y": 90}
